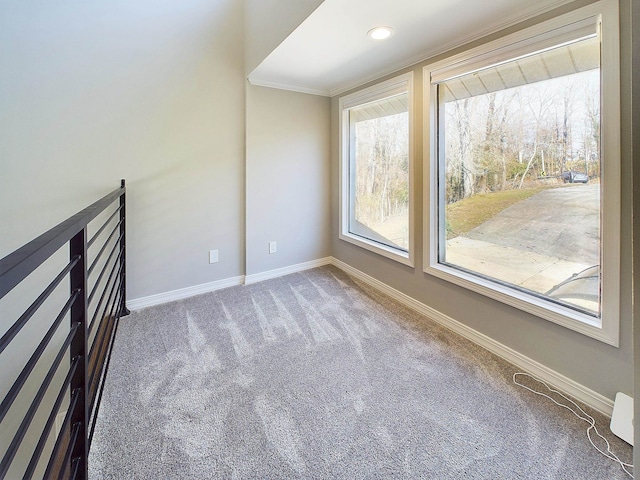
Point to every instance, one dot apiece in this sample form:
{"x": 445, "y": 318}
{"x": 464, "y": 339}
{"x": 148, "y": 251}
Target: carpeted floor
{"x": 314, "y": 376}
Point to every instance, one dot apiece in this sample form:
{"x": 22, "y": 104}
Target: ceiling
{"x": 330, "y": 53}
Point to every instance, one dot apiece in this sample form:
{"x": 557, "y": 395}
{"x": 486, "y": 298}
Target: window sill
{"x": 405, "y": 258}
{"x": 564, "y": 316}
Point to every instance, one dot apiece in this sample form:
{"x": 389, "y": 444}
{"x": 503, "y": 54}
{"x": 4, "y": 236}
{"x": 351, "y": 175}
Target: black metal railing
{"x": 60, "y": 383}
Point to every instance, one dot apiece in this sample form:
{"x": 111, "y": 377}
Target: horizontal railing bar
{"x": 104, "y": 292}
{"x": 16, "y": 266}
{"x": 100, "y": 348}
{"x": 73, "y": 438}
{"x": 104, "y": 225}
{"x": 16, "y": 327}
{"x": 104, "y": 246}
{"x": 35, "y": 404}
{"x": 116, "y": 287}
{"x": 113, "y": 278}
{"x": 76, "y": 465}
{"x": 105, "y": 341}
{"x": 59, "y": 441}
{"x": 33, "y": 463}
{"x": 28, "y": 368}
{"x": 93, "y": 346}
{"x": 98, "y": 398}
{"x": 104, "y": 268}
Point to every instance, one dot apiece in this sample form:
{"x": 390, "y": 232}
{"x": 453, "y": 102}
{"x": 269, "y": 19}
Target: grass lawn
{"x": 467, "y": 214}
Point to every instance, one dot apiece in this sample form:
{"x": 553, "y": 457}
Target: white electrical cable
{"x": 587, "y": 418}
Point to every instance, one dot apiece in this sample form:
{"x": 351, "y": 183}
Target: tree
{"x": 511, "y": 137}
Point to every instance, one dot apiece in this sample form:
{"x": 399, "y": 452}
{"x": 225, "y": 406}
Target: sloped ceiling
{"x": 330, "y": 53}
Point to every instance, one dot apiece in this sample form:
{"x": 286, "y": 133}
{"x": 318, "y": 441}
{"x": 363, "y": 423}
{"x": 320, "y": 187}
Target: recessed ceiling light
{"x": 380, "y": 33}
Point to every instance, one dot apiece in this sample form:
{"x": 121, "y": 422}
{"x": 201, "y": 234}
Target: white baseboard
{"x": 562, "y": 383}
{"x": 279, "y": 272}
{"x": 187, "y": 292}
{"x": 181, "y": 293}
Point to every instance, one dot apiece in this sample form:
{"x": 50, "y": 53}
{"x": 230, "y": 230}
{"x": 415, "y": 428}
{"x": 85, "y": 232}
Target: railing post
{"x": 78, "y": 348}
{"x": 123, "y": 275}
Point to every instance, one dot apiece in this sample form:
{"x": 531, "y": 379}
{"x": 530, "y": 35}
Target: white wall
{"x": 287, "y": 178}
{"x": 92, "y": 92}
{"x": 154, "y": 91}
{"x": 287, "y": 151}
{"x": 151, "y": 91}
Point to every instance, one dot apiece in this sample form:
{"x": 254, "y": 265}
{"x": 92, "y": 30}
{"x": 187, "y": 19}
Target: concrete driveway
{"x": 536, "y": 243}
{"x": 560, "y": 222}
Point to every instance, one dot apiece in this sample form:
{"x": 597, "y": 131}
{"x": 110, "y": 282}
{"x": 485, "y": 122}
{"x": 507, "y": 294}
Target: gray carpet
{"x": 316, "y": 376}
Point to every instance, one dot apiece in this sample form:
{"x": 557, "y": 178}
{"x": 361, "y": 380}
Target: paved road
{"x": 561, "y": 222}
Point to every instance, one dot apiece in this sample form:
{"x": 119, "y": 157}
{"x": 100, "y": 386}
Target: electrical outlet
{"x": 213, "y": 256}
{"x": 273, "y": 247}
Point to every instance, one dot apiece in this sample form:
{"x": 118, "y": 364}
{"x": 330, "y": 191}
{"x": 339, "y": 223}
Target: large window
{"x": 376, "y": 168}
{"x": 524, "y": 170}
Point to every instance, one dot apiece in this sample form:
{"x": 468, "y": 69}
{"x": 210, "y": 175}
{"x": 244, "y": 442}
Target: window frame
{"x": 394, "y": 86}
{"x": 511, "y": 46}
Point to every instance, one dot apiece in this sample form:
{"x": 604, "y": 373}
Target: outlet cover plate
{"x": 213, "y": 256}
